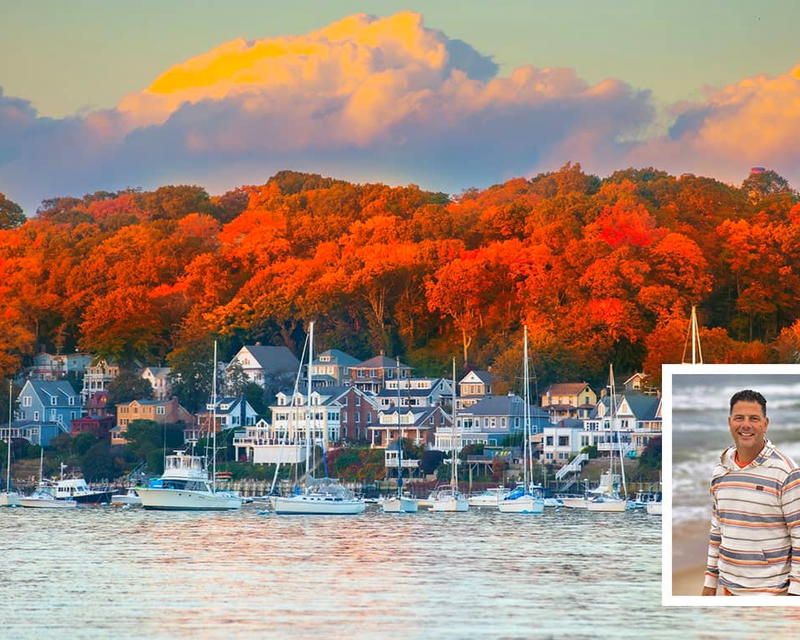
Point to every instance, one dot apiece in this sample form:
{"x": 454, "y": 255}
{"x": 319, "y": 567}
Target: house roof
{"x": 501, "y": 406}
{"x": 421, "y": 415}
{"x": 566, "y": 388}
{"x": 57, "y": 388}
{"x": 380, "y": 362}
{"x": 274, "y": 359}
{"x": 157, "y": 371}
{"x": 484, "y": 376}
{"x": 644, "y": 407}
{"x": 408, "y": 393}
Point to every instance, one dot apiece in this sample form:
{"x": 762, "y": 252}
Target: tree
{"x": 11, "y": 215}
{"x": 761, "y": 184}
{"x": 82, "y": 442}
{"x": 98, "y": 463}
{"x": 128, "y": 386}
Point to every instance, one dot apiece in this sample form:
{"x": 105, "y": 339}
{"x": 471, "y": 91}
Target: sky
{"x": 447, "y": 95}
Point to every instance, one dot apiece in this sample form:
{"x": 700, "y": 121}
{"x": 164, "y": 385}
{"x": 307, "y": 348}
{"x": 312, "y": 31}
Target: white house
{"x": 262, "y": 364}
{"x": 158, "y": 377}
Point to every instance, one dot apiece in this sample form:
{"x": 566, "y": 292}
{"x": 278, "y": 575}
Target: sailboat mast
{"x": 454, "y": 470}
{"x": 8, "y": 442}
{"x": 214, "y": 424}
{"x": 399, "y": 436}
{"x": 616, "y": 431}
{"x": 308, "y": 397}
{"x": 526, "y": 426}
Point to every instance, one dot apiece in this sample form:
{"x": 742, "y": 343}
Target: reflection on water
{"x": 106, "y": 572}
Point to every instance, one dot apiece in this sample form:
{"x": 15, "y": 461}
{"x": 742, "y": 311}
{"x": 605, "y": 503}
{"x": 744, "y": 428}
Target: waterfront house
{"x": 569, "y": 400}
{"x": 474, "y": 386}
{"x": 334, "y": 366}
{"x": 100, "y": 426}
{"x": 231, "y": 413}
{"x": 263, "y": 365}
{"x": 637, "y": 419}
{"x": 98, "y": 374}
{"x": 160, "y": 411}
{"x": 491, "y": 421}
{"x": 371, "y": 375}
{"x": 46, "y": 408}
{"x": 415, "y": 392}
{"x": 418, "y": 424}
{"x": 561, "y": 441}
{"x": 97, "y": 406}
{"x": 158, "y": 377}
{"x": 51, "y": 367}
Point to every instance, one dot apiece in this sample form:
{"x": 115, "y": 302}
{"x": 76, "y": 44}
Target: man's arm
{"x": 790, "y": 503}
{"x": 711, "y": 579}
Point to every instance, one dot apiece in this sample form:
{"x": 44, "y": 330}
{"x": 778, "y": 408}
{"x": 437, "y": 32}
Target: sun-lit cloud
{"x": 382, "y": 99}
{"x": 753, "y": 122}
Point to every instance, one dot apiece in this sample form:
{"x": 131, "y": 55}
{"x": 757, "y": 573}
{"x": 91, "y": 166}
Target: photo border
{"x": 667, "y": 372}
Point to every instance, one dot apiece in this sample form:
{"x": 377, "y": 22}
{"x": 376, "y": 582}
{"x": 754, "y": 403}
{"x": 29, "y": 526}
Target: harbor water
{"x": 109, "y": 572}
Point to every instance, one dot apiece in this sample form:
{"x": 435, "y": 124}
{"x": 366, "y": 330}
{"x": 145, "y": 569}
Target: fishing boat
{"x": 44, "y": 496}
{"x": 399, "y": 503}
{"x": 185, "y": 484}
{"x": 524, "y": 499}
{"x": 612, "y": 502}
{"x": 9, "y": 498}
{"x": 448, "y": 498}
{"x": 321, "y": 496}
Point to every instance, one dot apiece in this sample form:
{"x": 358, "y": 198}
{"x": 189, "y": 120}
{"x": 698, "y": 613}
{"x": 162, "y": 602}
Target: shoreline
{"x": 689, "y": 551}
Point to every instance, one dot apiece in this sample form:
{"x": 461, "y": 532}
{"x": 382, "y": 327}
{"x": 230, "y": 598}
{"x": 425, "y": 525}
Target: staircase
{"x": 573, "y": 467}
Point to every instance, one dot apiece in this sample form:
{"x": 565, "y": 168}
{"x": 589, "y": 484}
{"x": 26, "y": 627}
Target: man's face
{"x": 748, "y": 425}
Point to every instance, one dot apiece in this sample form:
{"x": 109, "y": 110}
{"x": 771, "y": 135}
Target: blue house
{"x": 45, "y": 409}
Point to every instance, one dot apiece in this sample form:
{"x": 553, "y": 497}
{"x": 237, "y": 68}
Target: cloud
{"x": 751, "y": 123}
{"x": 379, "y": 99}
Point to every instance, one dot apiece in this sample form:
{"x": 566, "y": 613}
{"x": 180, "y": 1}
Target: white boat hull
{"x": 523, "y": 504}
{"x": 126, "y": 498}
{"x": 10, "y": 499}
{"x": 653, "y": 508}
{"x": 608, "y": 505}
{"x": 306, "y": 505}
{"x": 575, "y": 503}
{"x": 457, "y": 505}
{"x": 47, "y": 503}
{"x": 184, "y": 500}
{"x": 400, "y": 505}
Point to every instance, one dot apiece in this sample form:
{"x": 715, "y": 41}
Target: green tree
{"x": 10, "y": 213}
{"x": 235, "y": 379}
{"x": 82, "y": 442}
{"x": 98, "y": 463}
{"x": 128, "y": 386}
{"x": 192, "y": 372}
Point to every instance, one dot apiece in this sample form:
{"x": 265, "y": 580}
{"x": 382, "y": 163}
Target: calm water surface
{"x": 105, "y": 572}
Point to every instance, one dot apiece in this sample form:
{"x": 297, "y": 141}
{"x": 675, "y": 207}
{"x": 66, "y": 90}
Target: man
{"x": 754, "y": 543}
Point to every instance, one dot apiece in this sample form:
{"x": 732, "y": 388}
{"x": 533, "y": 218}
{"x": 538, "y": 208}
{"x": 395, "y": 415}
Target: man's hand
{"x": 709, "y": 591}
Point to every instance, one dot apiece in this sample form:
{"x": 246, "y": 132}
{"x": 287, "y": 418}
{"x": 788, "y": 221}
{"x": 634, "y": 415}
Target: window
{"x": 26, "y": 401}
{"x": 35, "y": 416}
{"x": 357, "y": 417}
{"x": 358, "y": 401}
{"x": 161, "y": 411}
{"x": 563, "y": 441}
{"x": 72, "y": 400}
{"x": 344, "y": 415}
{"x": 52, "y": 400}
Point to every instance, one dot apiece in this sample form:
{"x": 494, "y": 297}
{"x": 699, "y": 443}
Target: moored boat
{"x": 44, "y": 497}
{"x": 323, "y": 496}
{"x": 129, "y": 497}
{"x": 76, "y": 489}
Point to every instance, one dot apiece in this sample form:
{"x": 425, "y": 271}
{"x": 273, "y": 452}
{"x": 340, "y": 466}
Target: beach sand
{"x": 689, "y": 547}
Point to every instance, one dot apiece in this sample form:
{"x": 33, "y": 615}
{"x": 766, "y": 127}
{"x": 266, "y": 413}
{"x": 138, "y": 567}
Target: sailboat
{"x": 44, "y": 497}
{"x": 448, "y": 497}
{"x": 9, "y": 498}
{"x": 524, "y": 499}
{"x": 323, "y": 496}
{"x": 399, "y": 503}
{"x": 694, "y": 334}
{"x": 185, "y": 484}
{"x": 613, "y": 502}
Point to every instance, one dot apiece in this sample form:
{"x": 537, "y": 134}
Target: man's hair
{"x": 748, "y": 395}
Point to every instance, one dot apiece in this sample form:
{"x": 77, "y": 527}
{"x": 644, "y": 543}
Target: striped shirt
{"x": 754, "y": 543}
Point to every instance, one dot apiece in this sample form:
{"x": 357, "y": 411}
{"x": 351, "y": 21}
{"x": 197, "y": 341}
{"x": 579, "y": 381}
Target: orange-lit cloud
{"x": 383, "y": 99}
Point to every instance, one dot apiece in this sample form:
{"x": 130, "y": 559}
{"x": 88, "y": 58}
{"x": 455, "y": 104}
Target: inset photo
{"x": 732, "y": 485}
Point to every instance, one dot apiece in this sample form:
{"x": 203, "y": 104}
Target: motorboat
{"x": 322, "y": 496}
{"x": 129, "y": 497}
{"x": 607, "y": 503}
{"x": 44, "y": 497}
{"x": 448, "y": 498}
{"x": 185, "y": 486}
{"x": 76, "y": 489}
{"x": 488, "y": 498}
